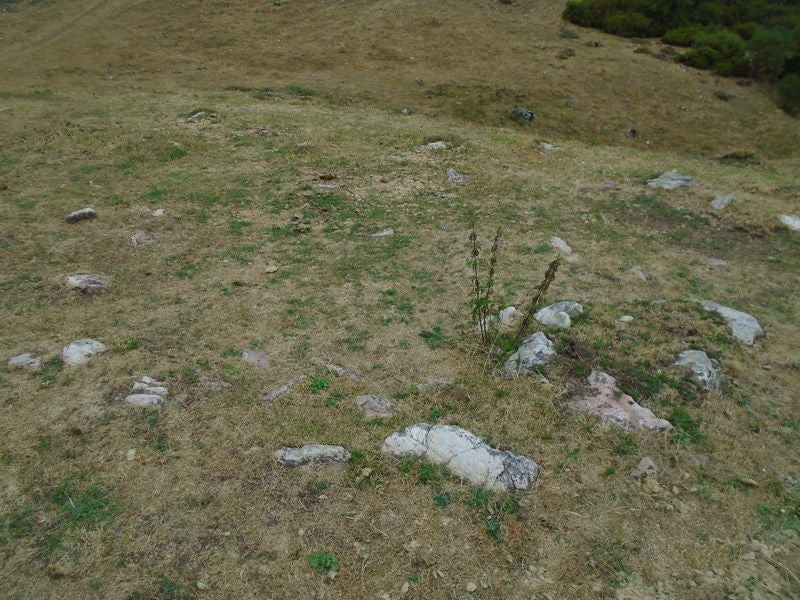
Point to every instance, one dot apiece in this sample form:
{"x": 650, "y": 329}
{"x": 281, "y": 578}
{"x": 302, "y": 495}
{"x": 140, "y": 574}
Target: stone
{"x": 338, "y": 369}
{"x": 214, "y": 384}
{"x": 81, "y": 352}
{"x": 464, "y": 454}
{"x": 437, "y": 145}
{"x": 566, "y": 53}
{"x": 455, "y": 177}
{"x": 383, "y": 233}
{"x": 279, "y": 390}
{"x": 706, "y": 372}
{"x": 722, "y": 202}
{"x": 375, "y": 407}
{"x": 546, "y": 146}
{"x": 642, "y": 49}
{"x": 144, "y": 400}
{"x": 536, "y": 351}
{"x": 434, "y": 384}
{"x": 563, "y": 247}
{"x": 645, "y": 468}
{"x": 610, "y": 404}
{"x": 505, "y": 319}
{"x": 270, "y": 269}
{"x": 319, "y": 454}
{"x": 744, "y": 327}
{"x": 626, "y": 319}
{"x": 594, "y": 44}
{"x": 141, "y": 238}
{"x": 558, "y": 314}
{"x": 83, "y": 214}
{"x": 87, "y": 283}
{"x": 670, "y": 180}
{"x": 24, "y": 361}
{"x": 159, "y": 212}
{"x": 526, "y": 115}
{"x": 257, "y": 358}
{"x": 717, "y": 262}
{"x": 791, "y": 221}
{"x": 568, "y": 34}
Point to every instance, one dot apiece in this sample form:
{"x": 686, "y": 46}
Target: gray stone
{"x": 81, "y": 352}
{"x": 257, "y": 358}
{"x": 83, "y": 214}
{"x": 144, "y": 400}
{"x": 722, "y": 202}
{"x": 645, "y": 468}
{"x": 465, "y": 454}
{"x": 546, "y": 146}
{"x": 563, "y": 247}
{"x": 375, "y": 407}
{"x": 311, "y": 453}
{"x": 791, "y": 221}
{"x": 505, "y": 319}
{"x": 610, "y": 404}
{"x": 434, "y": 384}
{"x": 214, "y": 384}
{"x": 525, "y": 115}
{"x": 558, "y": 314}
{"x": 383, "y": 233}
{"x": 24, "y": 361}
{"x": 535, "y": 351}
{"x": 454, "y": 176}
{"x": 705, "y": 370}
{"x": 338, "y": 369}
{"x": 87, "y": 283}
{"x": 437, "y": 145}
{"x": 279, "y": 390}
{"x": 670, "y": 180}
{"x": 744, "y": 327}
{"x": 141, "y": 238}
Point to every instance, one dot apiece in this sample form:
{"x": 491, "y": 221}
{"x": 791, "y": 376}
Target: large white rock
{"x": 558, "y": 314}
{"x": 744, "y": 327}
{"x": 311, "y": 453}
{"x": 81, "y": 352}
{"x": 705, "y": 372}
{"x": 670, "y": 180}
{"x": 610, "y": 404}
{"x": 505, "y": 319}
{"x": 536, "y": 351}
{"x": 24, "y": 361}
{"x": 564, "y": 248}
{"x": 465, "y": 454}
{"x": 791, "y": 221}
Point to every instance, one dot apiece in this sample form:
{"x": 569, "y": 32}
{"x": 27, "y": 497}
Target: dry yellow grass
{"x": 199, "y": 508}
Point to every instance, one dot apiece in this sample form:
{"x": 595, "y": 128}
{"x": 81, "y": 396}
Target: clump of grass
{"x": 324, "y": 561}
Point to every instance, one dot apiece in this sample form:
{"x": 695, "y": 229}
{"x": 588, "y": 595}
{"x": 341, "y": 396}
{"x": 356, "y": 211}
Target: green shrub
{"x": 684, "y": 36}
{"x": 630, "y": 24}
{"x": 770, "y": 48}
{"x": 789, "y": 93}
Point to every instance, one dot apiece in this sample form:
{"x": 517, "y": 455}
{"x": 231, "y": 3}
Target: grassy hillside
{"x": 108, "y": 109}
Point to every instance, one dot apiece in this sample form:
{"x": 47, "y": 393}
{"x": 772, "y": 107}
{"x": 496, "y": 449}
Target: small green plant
{"x": 442, "y": 499}
{"x": 434, "y": 338}
{"x": 173, "y": 590}
{"x": 319, "y": 383}
{"x": 687, "y": 430}
{"x": 324, "y": 561}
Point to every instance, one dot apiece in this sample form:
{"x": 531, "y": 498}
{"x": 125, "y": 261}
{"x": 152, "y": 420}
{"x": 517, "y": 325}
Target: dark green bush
{"x": 770, "y": 49}
{"x": 630, "y": 25}
{"x": 721, "y": 50}
{"x": 684, "y": 36}
{"x": 789, "y": 93}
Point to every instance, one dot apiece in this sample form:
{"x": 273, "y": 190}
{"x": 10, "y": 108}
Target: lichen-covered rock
{"x": 558, "y": 314}
{"x": 645, "y": 468}
{"x": 563, "y": 248}
{"x": 375, "y": 407}
{"x": 311, "y": 453}
{"x": 705, "y": 371}
{"x": 744, "y": 327}
{"x": 144, "y": 400}
{"x": 536, "y": 351}
{"x": 147, "y": 392}
{"x": 465, "y": 454}
{"x": 610, "y": 404}
{"x": 670, "y": 180}
{"x": 455, "y": 177}
{"x": 86, "y": 283}
{"x": 81, "y": 352}
{"x": 257, "y": 358}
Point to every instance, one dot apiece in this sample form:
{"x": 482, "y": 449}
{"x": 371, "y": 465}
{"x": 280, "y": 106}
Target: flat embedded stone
{"x": 465, "y": 454}
{"x": 610, "y": 404}
{"x": 279, "y": 390}
{"x": 24, "y": 361}
{"x": 81, "y": 352}
{"x": 257, "y": 358}
{"x": 563, "y": 248}
{"x": 86, "y": 283}
{"x": 670, "y": 180}
{"x": 375, "y": 407}
{"x": 743, "y": 326}
{"x": 338, "y": 369}
{"x": 722, "y": 202}
{"x": 311, "y": 453}
{"x": 144, "y": 400}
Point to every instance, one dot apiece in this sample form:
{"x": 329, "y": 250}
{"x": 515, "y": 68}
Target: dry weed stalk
{"x": 541, "y": 290}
